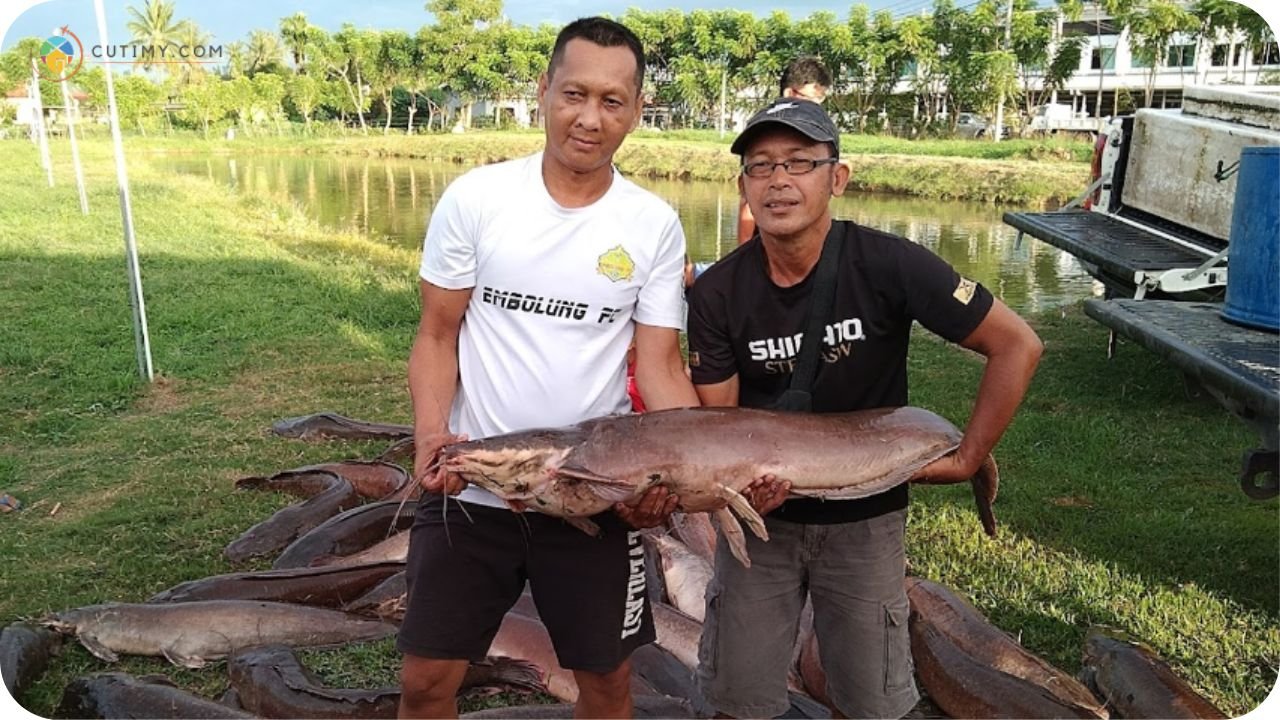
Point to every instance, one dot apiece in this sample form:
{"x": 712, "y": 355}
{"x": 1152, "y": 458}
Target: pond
{"x": 391, "y": 200}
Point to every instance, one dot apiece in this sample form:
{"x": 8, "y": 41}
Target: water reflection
{"x": 391, "y": 199}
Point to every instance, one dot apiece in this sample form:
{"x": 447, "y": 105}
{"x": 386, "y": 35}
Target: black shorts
{"x": 590, "y": 591}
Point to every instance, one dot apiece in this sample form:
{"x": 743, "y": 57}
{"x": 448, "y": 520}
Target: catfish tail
{"x": 986, "y": 483}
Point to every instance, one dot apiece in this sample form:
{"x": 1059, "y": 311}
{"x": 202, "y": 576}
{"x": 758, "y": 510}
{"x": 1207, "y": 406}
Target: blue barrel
{"x": 1253, "y": 264}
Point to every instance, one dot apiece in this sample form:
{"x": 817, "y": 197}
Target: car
{"x": 973, "y": 125}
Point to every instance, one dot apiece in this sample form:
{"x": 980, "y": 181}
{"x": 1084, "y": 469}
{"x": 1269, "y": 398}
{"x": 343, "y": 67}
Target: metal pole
{"x": 141, "y": 341}
{"x": 724, "y": 86}
{"x": 39, "y": 120}
{"x": 34, "y": 134}
{"x": 998, "y": 135}
{"x": 75, "y": 149}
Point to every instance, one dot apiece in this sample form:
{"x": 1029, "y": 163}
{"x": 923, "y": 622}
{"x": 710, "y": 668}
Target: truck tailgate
{"x": 1115, "y": 247}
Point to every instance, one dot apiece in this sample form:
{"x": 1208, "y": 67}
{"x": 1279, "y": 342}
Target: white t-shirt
{"x": 555, "y": 294}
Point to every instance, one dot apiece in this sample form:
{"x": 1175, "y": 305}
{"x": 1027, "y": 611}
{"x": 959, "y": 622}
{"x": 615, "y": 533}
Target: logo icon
{"x": 965, "y": 290}
{"x": 61, "y": 56}
{"x": 616, "y": 264}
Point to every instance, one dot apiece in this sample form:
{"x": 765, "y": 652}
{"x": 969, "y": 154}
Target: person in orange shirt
{"x": 806, "y": 78}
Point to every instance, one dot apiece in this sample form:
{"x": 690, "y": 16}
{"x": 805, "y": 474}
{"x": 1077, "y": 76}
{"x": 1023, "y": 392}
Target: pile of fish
{"x": 338, "y": 578}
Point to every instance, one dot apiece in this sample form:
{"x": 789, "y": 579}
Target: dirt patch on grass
{"x": 1075, "y": 501}
{"x": 290, "y": 389}
{"x": 164, "y": 395}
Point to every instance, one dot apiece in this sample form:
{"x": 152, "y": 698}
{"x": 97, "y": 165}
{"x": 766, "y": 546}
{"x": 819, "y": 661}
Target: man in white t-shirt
{"x": 536, "y": 276}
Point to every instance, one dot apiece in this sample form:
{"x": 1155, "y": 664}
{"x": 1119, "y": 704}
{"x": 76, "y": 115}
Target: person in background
{"x": 537, "y": 275}
{"x": 745, "y": 313}
{"x": 806, "y": 78}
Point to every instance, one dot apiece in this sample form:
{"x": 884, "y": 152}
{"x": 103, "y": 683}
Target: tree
{"x": 268, "y": 94}
{"x": 137, "y": 99}
{"x": 296, "y": 33}
{"x": 425, "y": 77}
{"x": 204, "y": 102}
{"x": 352, "y": 57}
{"x": 1152, "y": 26}
{"x": 394, "y": 61}
{"x": 873, "y": 63}
{"x": 240, "y": 99}
{"x": 190, "y": 36}
{"x": 465, "y": 12}
{"x": 153, "y": 28}
{"x": 1040, "y": 54}
{"x": 306, "y": 93}
{"x": 263, "y": 53}
{"x": 344, "y": 57}
{"x": 1256, "y": 32}
{"x": 467, "y": 55}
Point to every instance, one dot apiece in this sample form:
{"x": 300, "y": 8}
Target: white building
{"x": 1109, "y": 68}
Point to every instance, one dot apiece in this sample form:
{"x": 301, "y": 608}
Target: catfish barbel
{"x": 707, "y": 456}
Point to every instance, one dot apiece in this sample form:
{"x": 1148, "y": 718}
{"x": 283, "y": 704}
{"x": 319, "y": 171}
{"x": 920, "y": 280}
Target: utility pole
{"x": 1008, "y": 34}
{"x": 724, "y": 87}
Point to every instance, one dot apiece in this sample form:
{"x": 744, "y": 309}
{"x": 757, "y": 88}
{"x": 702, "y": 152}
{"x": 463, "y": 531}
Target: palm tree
{"x": 154, "y": 28}
{"x": 264, "y": 50}
{"x": 296, "y": 31}
{"x": 190, "y": 36}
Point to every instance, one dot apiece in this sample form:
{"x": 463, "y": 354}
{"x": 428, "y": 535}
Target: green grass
{"x": 1023, "y": 172}
{"x": 1118, "y": 502}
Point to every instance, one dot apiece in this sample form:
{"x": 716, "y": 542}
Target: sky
{"x": 231, "y": 20}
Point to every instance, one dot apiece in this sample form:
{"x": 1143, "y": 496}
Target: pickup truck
{"x": 1155, "y": 227}
{"x": 1054, "y": 118}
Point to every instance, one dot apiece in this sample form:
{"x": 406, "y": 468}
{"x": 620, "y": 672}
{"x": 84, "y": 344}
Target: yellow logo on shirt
{"x": 616, "y": 264}
{"x": 965, "y": 290}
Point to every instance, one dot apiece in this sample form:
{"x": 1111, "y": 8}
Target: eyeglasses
{"x": 795, "y": 166}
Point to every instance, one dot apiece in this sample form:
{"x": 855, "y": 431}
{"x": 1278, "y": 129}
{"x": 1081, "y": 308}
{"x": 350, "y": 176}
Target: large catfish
{"x": 706, "y": 456}
{"x": 122, "y": 696}
{"x": 973, "y": 669}
{"x": 272, "y": 682}
{"x": 191, "y": 633}
{"x": 1136, "y": 682}
{"x": 328, "y": 425}
{"x": 25, "y": 651}
{"x": 319, "y": 586}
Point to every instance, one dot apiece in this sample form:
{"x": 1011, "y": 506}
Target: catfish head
{"x": 516, "y": 466}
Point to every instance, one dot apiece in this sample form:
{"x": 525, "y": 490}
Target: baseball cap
{"x": 804, "y": 116}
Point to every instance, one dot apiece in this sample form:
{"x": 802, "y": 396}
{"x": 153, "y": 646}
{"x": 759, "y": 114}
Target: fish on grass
{"x": 972, "y": 669}
{"x": 25, "y": 651}
{"x": 330, "y": 425}
{"x": 707, "y": 456}
{"x": 1135, "y": 682}
{"x": 191, "y": 633}
{"x": 120, "y": 696}
{"x": 271, "y": 682}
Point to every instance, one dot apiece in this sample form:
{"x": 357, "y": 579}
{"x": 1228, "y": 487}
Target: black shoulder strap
{"x": 798, "y": 395}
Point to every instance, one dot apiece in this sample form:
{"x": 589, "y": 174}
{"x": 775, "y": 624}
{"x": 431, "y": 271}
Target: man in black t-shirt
{"x": 747, "y": 316}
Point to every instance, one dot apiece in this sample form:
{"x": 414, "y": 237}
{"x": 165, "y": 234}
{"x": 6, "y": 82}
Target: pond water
{"x": 391, "y": 200}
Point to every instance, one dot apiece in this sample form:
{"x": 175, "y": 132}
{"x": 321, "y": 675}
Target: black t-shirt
{"x": 741, "y": 323}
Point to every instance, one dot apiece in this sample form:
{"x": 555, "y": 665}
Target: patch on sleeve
{"x": 694, "y": 360}
{"x": 965, "y": 290}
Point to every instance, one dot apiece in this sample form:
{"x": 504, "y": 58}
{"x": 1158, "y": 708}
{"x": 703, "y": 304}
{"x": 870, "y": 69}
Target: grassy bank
{"x": 1118, "y": 504}
{"x": 1021, "y": 172}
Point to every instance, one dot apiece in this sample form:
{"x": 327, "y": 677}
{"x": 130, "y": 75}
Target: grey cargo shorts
{"x": 854, "y": 574}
